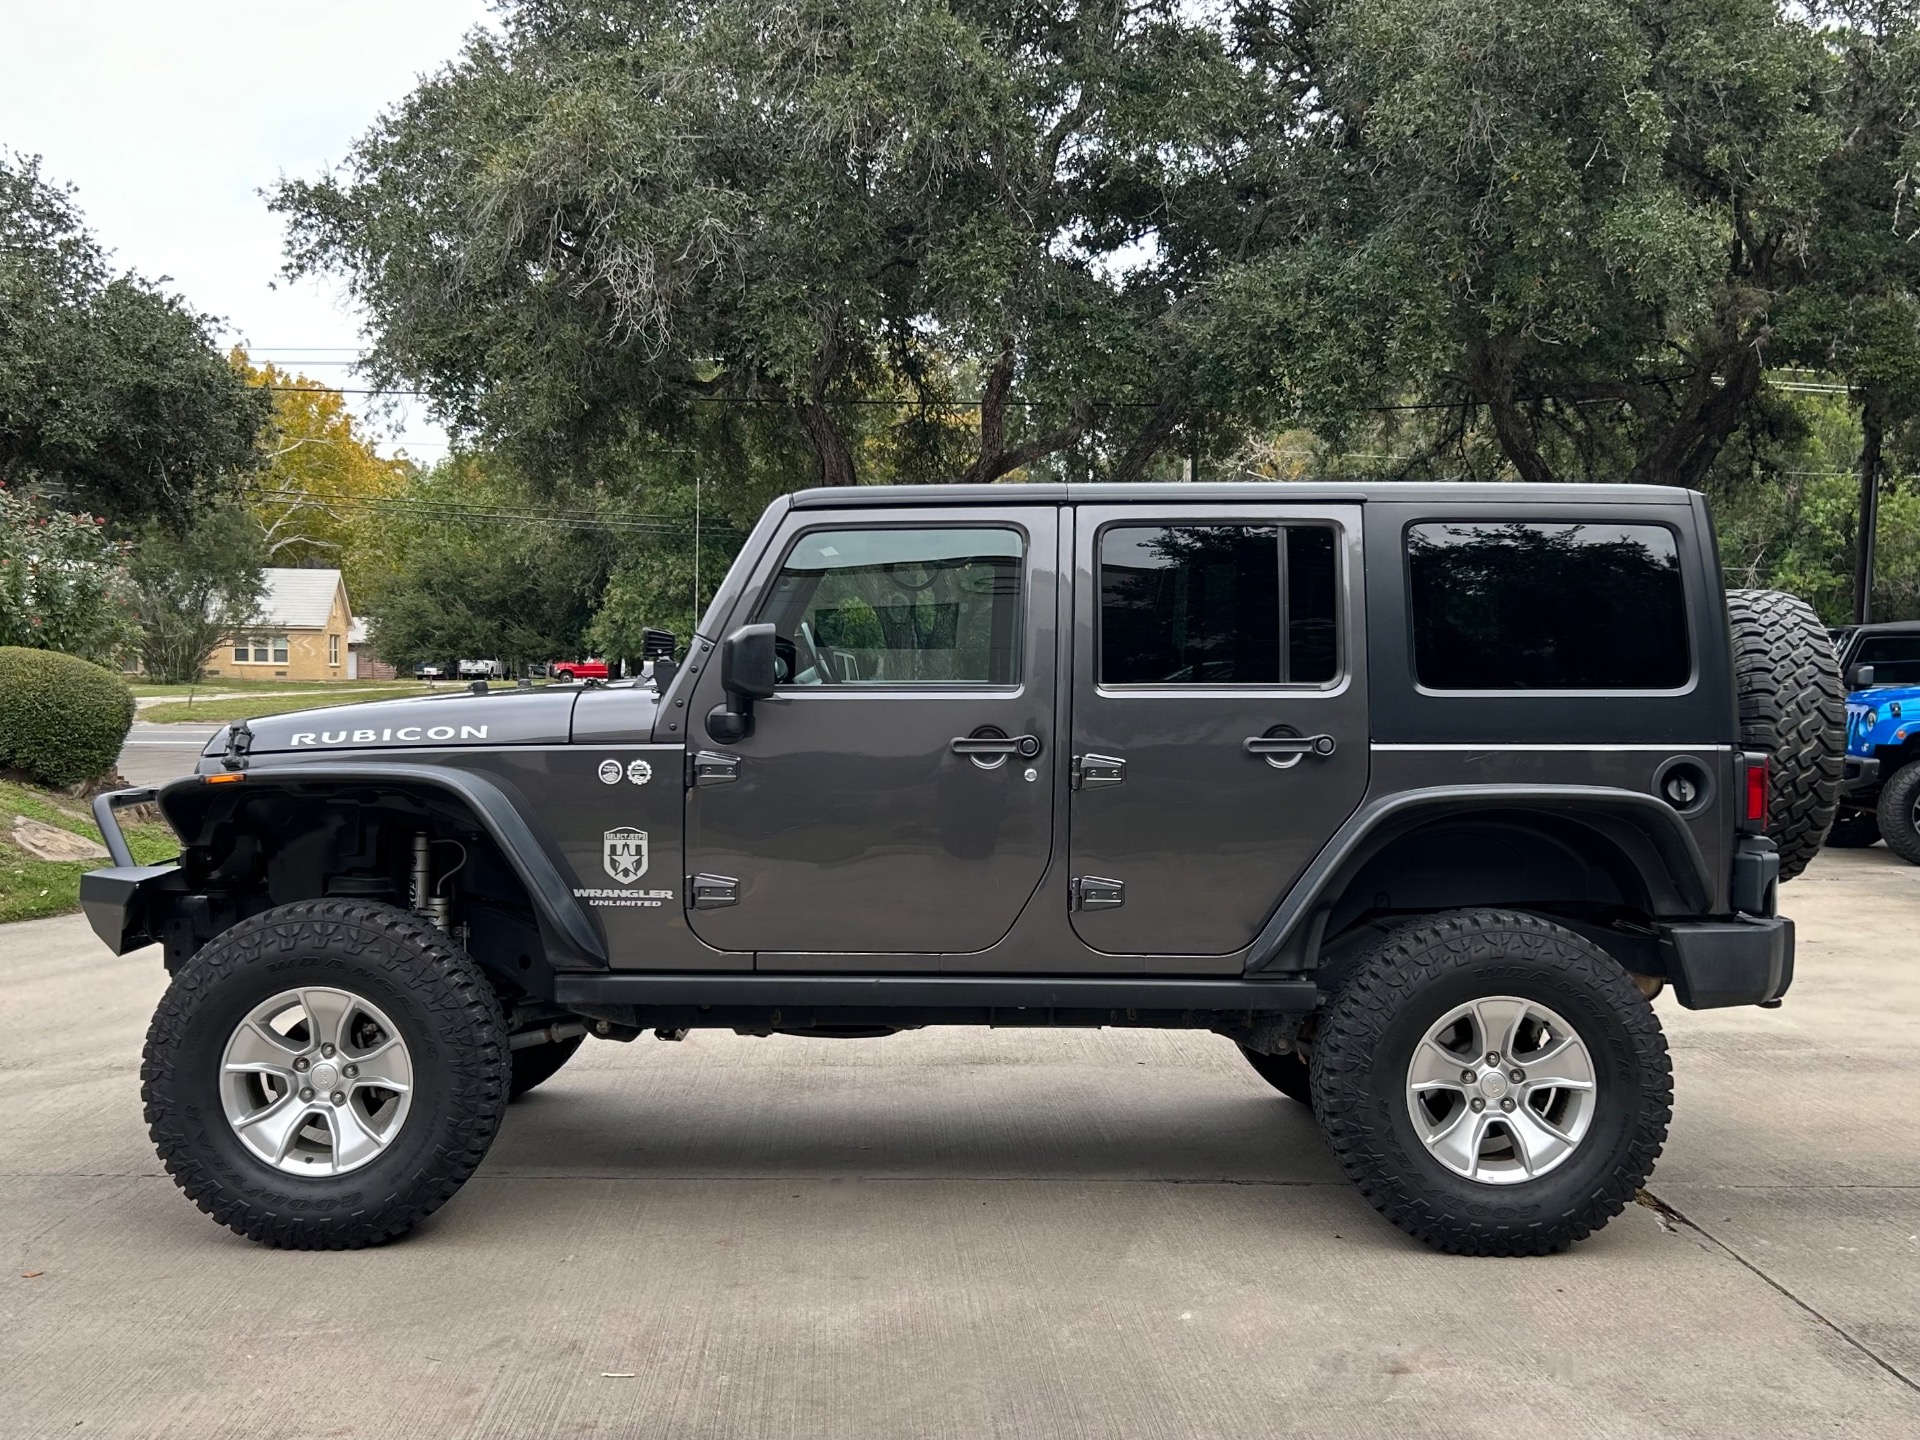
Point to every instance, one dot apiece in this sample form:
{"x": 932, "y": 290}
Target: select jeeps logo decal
{"x": 624, "y": 856}
{"x": 409, "y": 734}
{"x": 623, "y": 852}
{"x": 637, "y": 771}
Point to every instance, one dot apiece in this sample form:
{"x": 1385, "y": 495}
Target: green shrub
{"x": 62, "y": 720}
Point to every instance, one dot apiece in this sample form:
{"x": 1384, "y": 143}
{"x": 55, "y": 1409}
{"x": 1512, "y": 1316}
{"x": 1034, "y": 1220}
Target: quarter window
{"x": 1511, "y": 606}
{"x": 899, "y": 607}
{"x": 1218, "y": 605}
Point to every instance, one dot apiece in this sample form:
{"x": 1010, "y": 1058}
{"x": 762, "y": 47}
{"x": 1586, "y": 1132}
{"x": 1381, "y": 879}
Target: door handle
{"x": 1283, "y": 752}
{"x": 1025, "y": 746}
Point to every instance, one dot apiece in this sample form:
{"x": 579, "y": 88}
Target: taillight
{"x": 1753, "y": 814}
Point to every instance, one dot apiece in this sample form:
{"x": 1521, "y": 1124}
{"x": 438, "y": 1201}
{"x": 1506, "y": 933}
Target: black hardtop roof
{"x": 1217, "y": 492}
{"x": 1881, "y": 627}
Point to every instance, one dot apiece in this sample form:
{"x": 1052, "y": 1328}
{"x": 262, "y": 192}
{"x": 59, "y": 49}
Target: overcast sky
{"x": 170, "y": 118}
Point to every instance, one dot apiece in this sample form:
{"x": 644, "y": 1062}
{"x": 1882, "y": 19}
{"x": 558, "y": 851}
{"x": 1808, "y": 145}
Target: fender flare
{"x": 565, "y": 927}
{"x": 1654, "y": 838}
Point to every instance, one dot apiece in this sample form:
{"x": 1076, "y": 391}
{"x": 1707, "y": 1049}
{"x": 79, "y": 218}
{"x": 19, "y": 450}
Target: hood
{"x": 1884, "y": 715}
{"x": 504, "y": 717}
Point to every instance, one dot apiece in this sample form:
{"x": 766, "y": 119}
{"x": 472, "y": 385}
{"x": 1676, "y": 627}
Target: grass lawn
{"x": 31, "y": 888}
{"x": 247, "y": 709}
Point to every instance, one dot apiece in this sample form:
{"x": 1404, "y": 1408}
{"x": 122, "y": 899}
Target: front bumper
{"x": 1715, "y": 963}
{"x": 120, "y": 902}
{"x": 1862, "y": 772}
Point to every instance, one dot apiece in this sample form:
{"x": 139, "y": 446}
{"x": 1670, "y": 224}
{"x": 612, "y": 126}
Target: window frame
{"x": 1342, "y": 608}
{"x": 762, "y": 594}
{"x": 274, "y": 642}
{"x": 1641, "y": 522}
{"x": 333, "y": 649}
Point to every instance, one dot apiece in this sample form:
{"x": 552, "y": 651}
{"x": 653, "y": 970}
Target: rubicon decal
{"x": 403, "y": 733}
{"x": 623, "y": 853}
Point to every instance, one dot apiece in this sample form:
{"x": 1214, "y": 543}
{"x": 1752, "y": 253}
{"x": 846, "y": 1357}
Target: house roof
{"x": 297, "y": 599}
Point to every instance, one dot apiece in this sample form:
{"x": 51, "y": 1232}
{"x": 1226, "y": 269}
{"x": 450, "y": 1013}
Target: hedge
{"x": 62, "y": 720}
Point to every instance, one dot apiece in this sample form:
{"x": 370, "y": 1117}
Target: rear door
{"x": 895, "y": 796}
{"x": 1220, "y": 725}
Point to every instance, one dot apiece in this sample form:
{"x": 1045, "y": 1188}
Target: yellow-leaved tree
{"x": 318, "y": 495}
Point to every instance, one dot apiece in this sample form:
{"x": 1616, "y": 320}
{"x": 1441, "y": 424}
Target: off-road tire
{"x": 1793, "y": 706}
{"x": 1854, "y": 830}
{"x": 1364, "y": 1045}
{"x": 1898, "y": 797}
{"x": 1286, "y": 1073}
{"x": 537, "y": 1064}
{"x": 450, "y": 1020}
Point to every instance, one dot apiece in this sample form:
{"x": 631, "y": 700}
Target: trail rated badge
{"x": 623, "y": 852}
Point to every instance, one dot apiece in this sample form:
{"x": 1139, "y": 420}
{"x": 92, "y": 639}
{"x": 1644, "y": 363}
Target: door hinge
{"x": 713, "y": 892}
{"x": 714, "y": 767}
{"x": 1094, "y": 892}
{"x": 1095, "y": 772}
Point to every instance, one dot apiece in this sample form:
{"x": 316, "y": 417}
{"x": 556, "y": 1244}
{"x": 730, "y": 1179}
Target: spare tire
{"x": 1793, "y": 707}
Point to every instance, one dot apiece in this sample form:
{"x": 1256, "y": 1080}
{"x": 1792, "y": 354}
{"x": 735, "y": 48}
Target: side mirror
{"x": 1859, "y": 677}
{"x": 747, "y": 675}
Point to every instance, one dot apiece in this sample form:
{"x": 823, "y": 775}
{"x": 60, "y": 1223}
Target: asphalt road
{"x": 982, "y": 1234}
{"x": 154, "y": 753}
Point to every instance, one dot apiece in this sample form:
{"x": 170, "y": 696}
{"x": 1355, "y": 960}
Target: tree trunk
{"x": 1873, "y": 424}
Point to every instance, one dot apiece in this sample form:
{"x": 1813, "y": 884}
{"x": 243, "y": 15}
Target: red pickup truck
{"x": 577, "y": 669}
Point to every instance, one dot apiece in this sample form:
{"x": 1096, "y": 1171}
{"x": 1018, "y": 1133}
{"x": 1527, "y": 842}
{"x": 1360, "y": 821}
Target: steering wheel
{"x": 786, "y": 661}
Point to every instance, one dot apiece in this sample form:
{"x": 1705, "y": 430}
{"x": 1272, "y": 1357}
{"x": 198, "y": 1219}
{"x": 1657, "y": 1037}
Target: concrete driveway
{"x": 971, "y": 1234}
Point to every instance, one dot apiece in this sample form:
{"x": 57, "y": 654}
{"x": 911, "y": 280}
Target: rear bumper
{"x": 1715, "y": 963}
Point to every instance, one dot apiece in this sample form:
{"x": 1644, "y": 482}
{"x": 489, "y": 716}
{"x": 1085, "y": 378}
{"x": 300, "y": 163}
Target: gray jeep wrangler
{"x": 1420, "y": 795}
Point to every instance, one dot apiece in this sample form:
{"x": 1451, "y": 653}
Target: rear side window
{"x": 1218, "y": 605}
{"x": 1895, "y": 658}
{"x": 939, "y": 606}
{"x": 1510, "y": 606}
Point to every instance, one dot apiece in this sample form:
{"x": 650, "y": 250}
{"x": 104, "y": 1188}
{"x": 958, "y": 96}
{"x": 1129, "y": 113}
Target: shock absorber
{"x": 437, "y": 908}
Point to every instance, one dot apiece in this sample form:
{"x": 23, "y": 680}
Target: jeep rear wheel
{"x": 1493, "y": 1083}
{"x": 325, "y": 1075}
{"x": 1793, "y": 707}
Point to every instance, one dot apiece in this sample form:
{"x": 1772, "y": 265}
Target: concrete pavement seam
{"x": 1669, "y": 1213}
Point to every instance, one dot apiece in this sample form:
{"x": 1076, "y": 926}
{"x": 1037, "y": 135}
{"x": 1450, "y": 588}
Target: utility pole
{"x": 696, "y": 549}
{"x": 1872, "y": 426}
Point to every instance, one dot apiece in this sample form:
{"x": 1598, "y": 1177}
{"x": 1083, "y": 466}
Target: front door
{"x": 894, "y": 797}
{"x": 1219, "y": 716}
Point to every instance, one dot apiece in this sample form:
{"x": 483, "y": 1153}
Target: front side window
{"x": 1520, "y": 606}
{"x": 899, "y": 607}
{"x": 1218, "y": 605}
{"x": 1895, "y": 658}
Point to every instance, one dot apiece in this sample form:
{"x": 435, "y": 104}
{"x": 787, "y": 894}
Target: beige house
{"x": 301, "y": 633}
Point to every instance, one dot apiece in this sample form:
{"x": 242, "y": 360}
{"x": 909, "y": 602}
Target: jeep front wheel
{"x": 1493, "y": 1083}
{"x": 325, "y": 1075}
{"x": 1898, "y": 813}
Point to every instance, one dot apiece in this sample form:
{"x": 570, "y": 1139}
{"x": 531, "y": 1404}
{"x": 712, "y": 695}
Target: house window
{"x": 333, "y": 649}
{"x": 260, "y": 650}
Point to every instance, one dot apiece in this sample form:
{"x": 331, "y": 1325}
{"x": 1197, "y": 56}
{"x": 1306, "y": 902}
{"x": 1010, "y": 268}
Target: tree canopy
{"x": 112, "y": 392}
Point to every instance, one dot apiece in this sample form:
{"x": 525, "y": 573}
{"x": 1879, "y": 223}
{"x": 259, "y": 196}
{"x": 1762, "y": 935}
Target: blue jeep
{"x": 1881, "y": 798}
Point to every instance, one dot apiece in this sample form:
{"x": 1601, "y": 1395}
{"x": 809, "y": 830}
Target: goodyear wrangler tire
{"x": 1493, "y": 1084}
{"x": 1793, "y": 706}
{"x": 325, "y": 1075}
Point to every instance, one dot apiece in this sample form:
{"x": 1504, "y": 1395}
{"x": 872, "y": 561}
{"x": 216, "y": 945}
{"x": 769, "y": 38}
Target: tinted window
{"x": 1547, "y": 607}
{"x": 1217, "y": 605}
{"x": 1895, "y": 658}
{"x": 899, "y": 607}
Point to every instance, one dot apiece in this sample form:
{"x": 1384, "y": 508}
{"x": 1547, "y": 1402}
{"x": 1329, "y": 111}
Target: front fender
{"x": 571, "y": 937}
